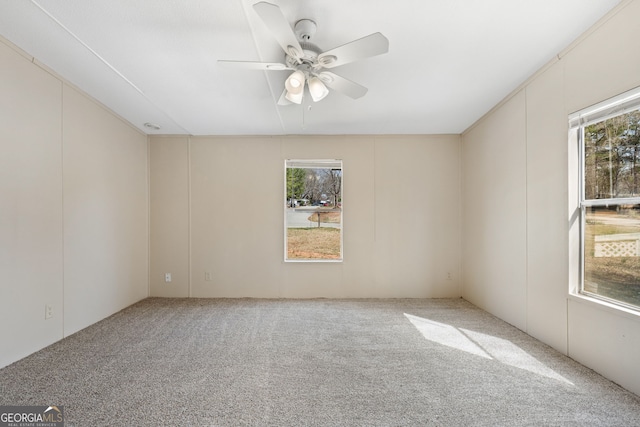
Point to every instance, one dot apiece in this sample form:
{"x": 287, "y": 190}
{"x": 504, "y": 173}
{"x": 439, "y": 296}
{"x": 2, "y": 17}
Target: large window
{"x": 609, "y": 138}
{"x": 313, "y": 210}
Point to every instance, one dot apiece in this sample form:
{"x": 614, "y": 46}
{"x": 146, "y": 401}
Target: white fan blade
{"x": 342, "y": 85}
{"x": 249, "y": 65}
{"x": 283, "y": 100}
{"x": 371, "y": 45}
{"x": 273, "y": 18}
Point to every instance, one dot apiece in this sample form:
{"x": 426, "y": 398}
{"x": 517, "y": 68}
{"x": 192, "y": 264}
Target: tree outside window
{"x": 610, "y": 205}
{"x": 313, "y": 210}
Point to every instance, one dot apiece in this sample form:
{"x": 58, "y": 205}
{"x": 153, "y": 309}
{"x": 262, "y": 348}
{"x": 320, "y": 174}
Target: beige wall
{"x": 73, "y": 214}
{"x": 217, "y": 206}
{"x": 169, "y": 196}
{"x": 494, "y": 219}
{"x": 105, "y": 213}
{"x": 30, "y": 206}
{"x": 516, "y": 195}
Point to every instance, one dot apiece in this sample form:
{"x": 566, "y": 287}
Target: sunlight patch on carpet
{"x": 446, "y": 335}
{"x": 482, "y": 345}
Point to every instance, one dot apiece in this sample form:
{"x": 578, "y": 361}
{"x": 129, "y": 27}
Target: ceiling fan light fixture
{"x": 296, "y": 98}
{"x": 317, "y": 89}
{"x": 295, "y": 82}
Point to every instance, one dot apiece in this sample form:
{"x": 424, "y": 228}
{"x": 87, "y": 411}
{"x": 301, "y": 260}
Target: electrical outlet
{"x": 207, "y": 276}
{"x": 448, "y": 275}
{"x": 167, "y": 277}
{"x": 48, "y": 311}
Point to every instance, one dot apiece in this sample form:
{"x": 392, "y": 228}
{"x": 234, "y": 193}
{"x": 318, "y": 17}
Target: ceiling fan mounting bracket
{"x": 305, "y": 29}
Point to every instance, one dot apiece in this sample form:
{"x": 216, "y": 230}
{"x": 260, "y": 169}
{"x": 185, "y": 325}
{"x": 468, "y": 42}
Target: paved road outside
{"x": 614, "y": 219}
{"x": 297, "y": 218}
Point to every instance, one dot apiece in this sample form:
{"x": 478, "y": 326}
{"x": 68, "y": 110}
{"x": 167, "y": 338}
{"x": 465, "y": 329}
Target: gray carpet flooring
{"x": 220, "y": 362}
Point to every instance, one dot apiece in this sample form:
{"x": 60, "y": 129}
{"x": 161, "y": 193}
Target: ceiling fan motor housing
{"x": 309, "y": 59}
{"x": 304, "y": 30}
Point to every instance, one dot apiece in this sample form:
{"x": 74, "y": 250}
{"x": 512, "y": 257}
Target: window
{"x": 313, "y": 210}
{"x": 609, "y": 198}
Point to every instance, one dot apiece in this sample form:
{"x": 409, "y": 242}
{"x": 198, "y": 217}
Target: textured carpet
{"x": 216, "y": 362}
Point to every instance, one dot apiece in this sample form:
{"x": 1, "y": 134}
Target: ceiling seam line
{"x": 105, "y": 62}
{"x": 86, "y": 46}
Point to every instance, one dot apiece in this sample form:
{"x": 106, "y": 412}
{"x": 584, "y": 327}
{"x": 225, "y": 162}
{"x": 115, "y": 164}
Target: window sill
{"x": 605, "y": 306}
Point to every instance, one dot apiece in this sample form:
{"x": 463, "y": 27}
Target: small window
{"x": 609, "y": 135}
{"x": 313, "y": 210}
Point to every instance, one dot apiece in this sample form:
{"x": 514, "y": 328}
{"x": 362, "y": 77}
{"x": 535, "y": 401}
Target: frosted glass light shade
{"x": 317, "y": 89}
{"x": 296, "y": 98}
{"x": 295, "y": 82}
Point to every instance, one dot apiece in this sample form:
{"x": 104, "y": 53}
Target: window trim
{"x": 309, "y": 164}
{"x": 612, "y": 107}
{"x": 615, "y": 106}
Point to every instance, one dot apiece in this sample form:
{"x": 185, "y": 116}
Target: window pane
{"x": 612, "y": 157}
{"x": 612, "y": 252}
{"x": 313, "y": 210}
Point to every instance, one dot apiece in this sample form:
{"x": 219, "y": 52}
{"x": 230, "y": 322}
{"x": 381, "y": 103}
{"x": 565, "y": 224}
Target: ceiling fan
{"x": 309, "y": 64}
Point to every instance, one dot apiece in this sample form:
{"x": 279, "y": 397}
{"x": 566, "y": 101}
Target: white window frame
{"x": 618, "y": 105}
{"x": 315, "y": 164}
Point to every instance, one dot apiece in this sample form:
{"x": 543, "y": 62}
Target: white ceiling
{"x": 155, "y": 61}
